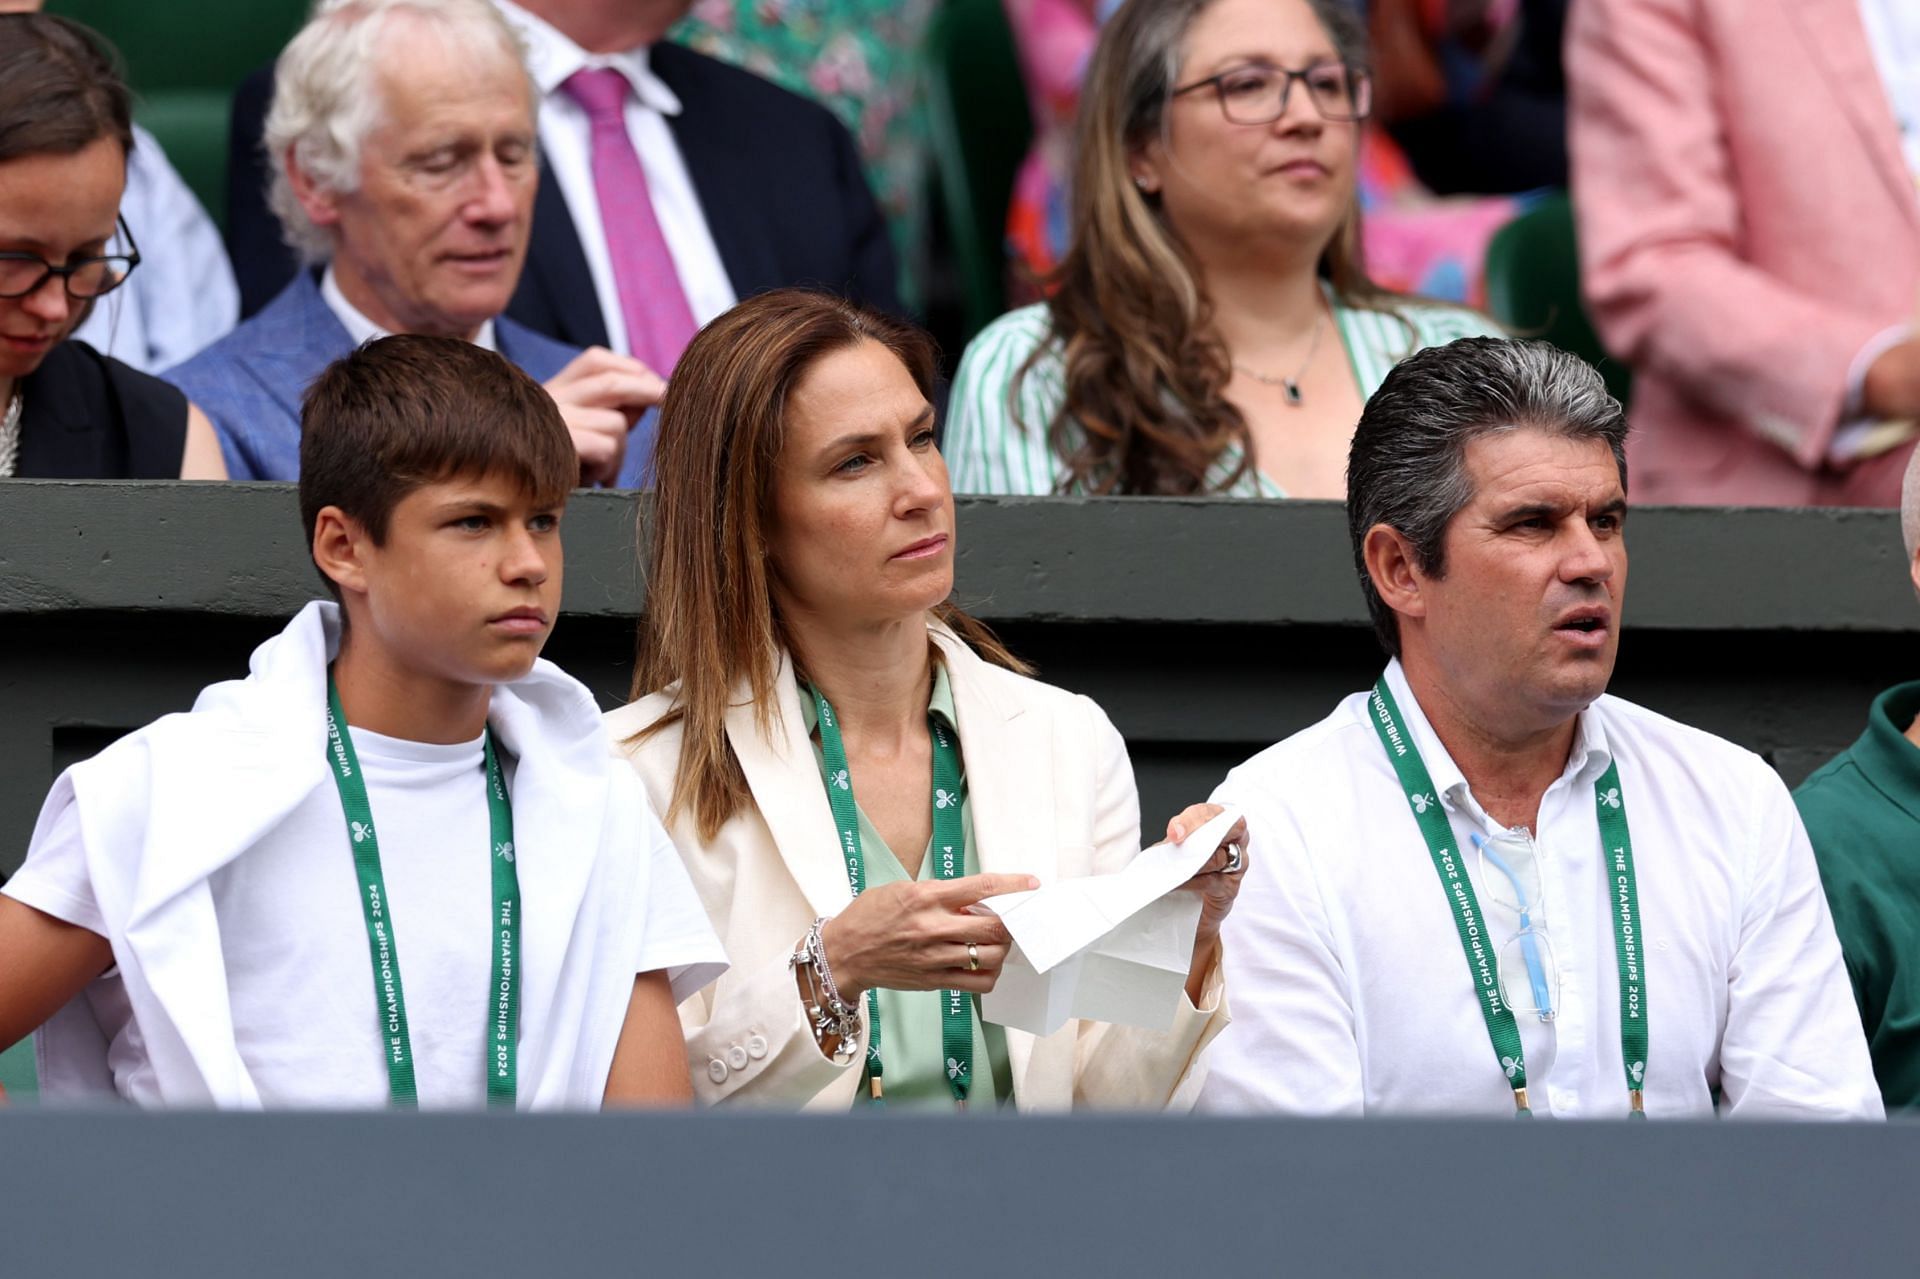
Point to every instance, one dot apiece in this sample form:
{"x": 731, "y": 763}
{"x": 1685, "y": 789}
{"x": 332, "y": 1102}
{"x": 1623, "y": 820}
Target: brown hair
{"x": 402, "y": 412}
{"x": 711, "y": 620}
{"x": 1145, "y": 409}
{"x": 60, "y": 88}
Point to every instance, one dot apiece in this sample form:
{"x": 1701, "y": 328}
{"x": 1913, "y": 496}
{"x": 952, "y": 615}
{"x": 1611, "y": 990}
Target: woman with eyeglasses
{"x": 1212, "y": 330}
{"x": 66, "y": 411}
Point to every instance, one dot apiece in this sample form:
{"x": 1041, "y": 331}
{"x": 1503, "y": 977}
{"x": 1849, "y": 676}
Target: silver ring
{"x": 973, "y": 958}
{"x": 1236, "y": 860}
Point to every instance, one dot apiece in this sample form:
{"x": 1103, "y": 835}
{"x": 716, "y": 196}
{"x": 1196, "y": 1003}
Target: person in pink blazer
{"x": 1749, "y": 243}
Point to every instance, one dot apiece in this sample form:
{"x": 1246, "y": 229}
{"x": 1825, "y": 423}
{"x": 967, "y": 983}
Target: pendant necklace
{"x": 1291, "y": 385}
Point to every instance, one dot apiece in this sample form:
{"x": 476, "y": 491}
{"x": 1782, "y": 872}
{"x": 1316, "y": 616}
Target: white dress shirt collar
{"x": 1893, "y": 33}
{"x": 566, "y": 144}
{"x": 1585, "y": 762}
{"x": 362, "y": 330}
{"x": 1349, "y": 991}
{"x": 552, "y": 57}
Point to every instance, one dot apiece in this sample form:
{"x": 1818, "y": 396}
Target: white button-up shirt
{"x": 362, "y": 330}
{"x": 1352, "y": 995}
{"x": 1893, "y": 32}
{"x": 566, "y": 144}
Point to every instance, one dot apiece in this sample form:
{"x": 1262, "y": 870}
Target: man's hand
{"x": 1217, "y": 887}
{"x": 601, "y": 395}
{"x": 1891, "y": 390}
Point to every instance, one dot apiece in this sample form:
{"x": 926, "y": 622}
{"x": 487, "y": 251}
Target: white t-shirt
{"x": 300, "y": 980}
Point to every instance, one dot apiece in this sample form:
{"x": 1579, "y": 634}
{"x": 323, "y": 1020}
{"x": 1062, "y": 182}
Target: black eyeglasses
{"x": 1257, "y": 94}
{"x": 85, "y": 278}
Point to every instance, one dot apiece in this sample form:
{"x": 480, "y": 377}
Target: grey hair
{"x": 327, "y": 98}
{"x": 1407, "y": 467}
{"x": 1910, "y": 507}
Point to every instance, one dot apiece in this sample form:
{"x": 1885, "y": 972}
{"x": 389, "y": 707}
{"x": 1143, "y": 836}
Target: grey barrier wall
{"x": 728, "y": 1195}
{"x": 1206, "y": 629}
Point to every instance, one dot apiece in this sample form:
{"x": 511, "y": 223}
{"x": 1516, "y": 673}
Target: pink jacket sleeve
{"x": 1659, "y": 200}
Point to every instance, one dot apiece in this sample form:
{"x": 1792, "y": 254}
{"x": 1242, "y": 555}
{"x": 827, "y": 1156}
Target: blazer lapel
{"x": 306, "y": 338}
{"x": 1007, "y": 754}
{"x": 555, "y": 295}
{"x": 785, "y": 781}
{"x": 1009, "y": 769}
{"x": 1837, "y": 38}
{"x": 730, "y": 199}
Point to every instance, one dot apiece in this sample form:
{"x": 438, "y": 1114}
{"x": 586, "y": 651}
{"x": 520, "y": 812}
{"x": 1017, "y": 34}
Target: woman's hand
{"x": 1217, "y": 886}
{"x": 914, "y": 936}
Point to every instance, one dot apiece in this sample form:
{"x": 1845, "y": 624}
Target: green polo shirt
{"x": 912, "y": 1051}
{"x": 1862, "y": 811}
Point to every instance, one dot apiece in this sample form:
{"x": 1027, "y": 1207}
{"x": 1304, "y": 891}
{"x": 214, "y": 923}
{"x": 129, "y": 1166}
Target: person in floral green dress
{"x": 863, "y": 59}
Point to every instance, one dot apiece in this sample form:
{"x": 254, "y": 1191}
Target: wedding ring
{"x": 973, "y": 958}
{"x": 1236, "y": 860}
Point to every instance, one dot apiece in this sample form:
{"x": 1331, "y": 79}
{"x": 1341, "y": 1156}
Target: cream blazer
{"x": 1053, "y": 796}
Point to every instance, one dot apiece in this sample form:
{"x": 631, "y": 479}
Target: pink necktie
{"x": 659, "y": 321}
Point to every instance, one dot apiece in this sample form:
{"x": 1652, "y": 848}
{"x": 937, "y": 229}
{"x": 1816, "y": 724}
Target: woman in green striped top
{"x": 1212, "y": 331}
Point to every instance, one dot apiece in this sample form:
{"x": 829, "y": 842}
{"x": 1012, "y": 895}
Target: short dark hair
{"x": 1407, "y": 466}
{"x": 60, "y": 88}
{"x": 406, "y": 411}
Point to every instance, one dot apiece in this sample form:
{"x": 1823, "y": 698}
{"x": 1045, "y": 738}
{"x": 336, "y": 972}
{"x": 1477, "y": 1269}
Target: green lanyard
{"x": 503, "y": 1021}
{"x": 956, "y": 1009}
{"x": 1481, "y": 963}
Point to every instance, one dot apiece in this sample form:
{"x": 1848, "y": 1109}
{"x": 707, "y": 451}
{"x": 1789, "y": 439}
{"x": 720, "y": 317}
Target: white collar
{"x": 552, "y": 57}
{"x": 362, "y": 330}
{"x": 1588, "y": 759}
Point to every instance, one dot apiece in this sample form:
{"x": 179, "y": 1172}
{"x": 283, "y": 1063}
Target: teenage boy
{"x": 220, "y": 909}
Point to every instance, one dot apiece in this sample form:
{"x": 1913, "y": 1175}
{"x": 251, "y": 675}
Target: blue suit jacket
{"x": 250, "y": 382}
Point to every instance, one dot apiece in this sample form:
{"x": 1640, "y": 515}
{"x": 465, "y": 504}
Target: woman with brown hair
{"x": 1212, "y": 331}
{"x": 846, "y": 761}
{"x": 66, "y": 411}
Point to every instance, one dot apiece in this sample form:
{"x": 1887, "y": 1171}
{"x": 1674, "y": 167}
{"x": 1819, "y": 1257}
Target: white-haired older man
{"x": 1862, "y": 811}
{"x": 403, "y": 138}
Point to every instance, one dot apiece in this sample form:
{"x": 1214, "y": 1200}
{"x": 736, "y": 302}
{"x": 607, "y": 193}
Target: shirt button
{"x": 717, "y": 1071}
{"x": 757, "y": 1046}
{"x": 737, "y": 1057}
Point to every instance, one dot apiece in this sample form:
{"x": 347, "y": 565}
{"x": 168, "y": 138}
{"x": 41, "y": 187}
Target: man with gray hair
{"x": 1862, "y": 810}
{"x": 403, "y": 138}
{"x": 1484, "y": 887}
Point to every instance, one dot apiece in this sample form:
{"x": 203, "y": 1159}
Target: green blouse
{"x": 911, "y": 1044}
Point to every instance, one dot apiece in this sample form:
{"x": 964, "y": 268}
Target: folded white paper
{"x": 1105, "y": 947}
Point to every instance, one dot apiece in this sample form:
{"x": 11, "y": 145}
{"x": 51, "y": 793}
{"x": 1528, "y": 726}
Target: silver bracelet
{"x": 818, "y": 949}
{"x": 828, "y": 1013}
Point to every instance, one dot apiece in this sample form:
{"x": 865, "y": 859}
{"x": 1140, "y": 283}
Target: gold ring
{"x": 973, "y": 958}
